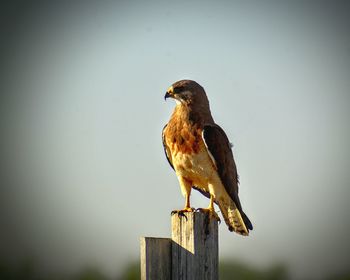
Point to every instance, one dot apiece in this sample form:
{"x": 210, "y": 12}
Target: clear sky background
{"x": 83, "y": 173}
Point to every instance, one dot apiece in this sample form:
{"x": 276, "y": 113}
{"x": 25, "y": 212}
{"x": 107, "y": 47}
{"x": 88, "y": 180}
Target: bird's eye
{"x": 178, "y": 90}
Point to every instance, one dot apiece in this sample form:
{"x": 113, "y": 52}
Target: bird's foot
{"x": 182, "y": 212}
{"x": 211, "y": 212}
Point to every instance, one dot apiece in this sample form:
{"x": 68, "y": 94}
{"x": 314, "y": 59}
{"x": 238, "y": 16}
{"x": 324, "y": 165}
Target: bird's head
{"x": 187, "y": 92}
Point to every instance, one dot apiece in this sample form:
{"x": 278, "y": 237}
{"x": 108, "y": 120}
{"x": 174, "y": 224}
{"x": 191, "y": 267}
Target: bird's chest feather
{"x": 196, "y": 168}
{"x": 188, "y": 152}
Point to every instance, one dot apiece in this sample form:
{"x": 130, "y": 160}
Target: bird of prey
{"x": 200, "y": 153}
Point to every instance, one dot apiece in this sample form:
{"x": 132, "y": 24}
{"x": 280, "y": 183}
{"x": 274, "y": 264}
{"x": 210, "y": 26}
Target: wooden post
{"x": 190, "y": 254}
{"x": 194, "y": 247}
{"x": 155, "y": 258}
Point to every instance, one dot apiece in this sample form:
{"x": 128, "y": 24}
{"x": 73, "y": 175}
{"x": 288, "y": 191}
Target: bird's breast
{"x": 188, "y": 152}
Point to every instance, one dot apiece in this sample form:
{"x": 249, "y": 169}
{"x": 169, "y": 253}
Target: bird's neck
{"x": 199, "y": 115}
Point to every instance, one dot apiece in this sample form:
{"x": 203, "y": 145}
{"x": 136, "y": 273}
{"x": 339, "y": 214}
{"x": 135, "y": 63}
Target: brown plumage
{"x": 200, "y": 153}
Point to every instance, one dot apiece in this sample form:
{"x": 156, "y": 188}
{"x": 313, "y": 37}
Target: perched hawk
{"x": 200, "y": 153}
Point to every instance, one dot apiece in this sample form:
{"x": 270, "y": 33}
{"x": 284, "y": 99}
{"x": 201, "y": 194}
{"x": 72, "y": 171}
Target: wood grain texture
{"x": 194, "y": 247}
{"x": 155, "y": 258}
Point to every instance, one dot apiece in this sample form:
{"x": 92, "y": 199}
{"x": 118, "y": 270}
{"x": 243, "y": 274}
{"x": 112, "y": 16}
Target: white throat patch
{"x": 178, "y": 102}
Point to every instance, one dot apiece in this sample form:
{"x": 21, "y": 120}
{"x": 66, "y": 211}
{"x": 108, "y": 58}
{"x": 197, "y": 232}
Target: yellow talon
{"x": 210, "y": 210}
{"x": 182, "y": 211}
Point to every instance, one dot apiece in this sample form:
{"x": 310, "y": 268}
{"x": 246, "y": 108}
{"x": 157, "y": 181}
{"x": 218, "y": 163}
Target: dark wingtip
{"x": 247, "y": 222}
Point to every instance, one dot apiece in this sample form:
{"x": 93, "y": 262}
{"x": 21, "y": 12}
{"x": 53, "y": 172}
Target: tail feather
{"x": 236, "y": 221}
{"x": 246, "y": 220}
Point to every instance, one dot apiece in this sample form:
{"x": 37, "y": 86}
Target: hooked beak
{"x": 169, "y": 93}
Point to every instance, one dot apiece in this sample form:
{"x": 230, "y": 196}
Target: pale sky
{"x": 82, "y": 109}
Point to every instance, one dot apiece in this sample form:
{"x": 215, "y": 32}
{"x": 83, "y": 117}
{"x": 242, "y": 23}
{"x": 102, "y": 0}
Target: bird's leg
{"x": 187, "y": 208}
{"x": 187, "y": 203}
{"x": 210, "y": 210}
{"x": 186, "y": 187}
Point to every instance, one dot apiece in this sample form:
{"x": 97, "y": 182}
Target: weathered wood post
{"x": 155, "y": 258}
{"x": 190, "y": 254}
{"x": 194, "y": 247}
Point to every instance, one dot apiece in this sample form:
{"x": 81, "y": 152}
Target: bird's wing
{"x": 166, "y": 149}
{"x": 219, "y": 149}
